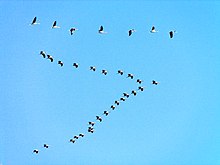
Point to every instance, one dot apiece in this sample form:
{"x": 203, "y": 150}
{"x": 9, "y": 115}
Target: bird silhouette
{"x": 130, "y": 75}
{"x": 139, "y": 81}
{"x": 34, "y": 21}
{"x": 153, "y": 30}
{"x": 141, "y": 88}
{"x": 54, "y": 26}
{"x": 43, "y": 54}
{"x": 171, "y": 33}
{"x": 112, "y": 107}
{"x": 92, "y": 68}
{"x": 101, "y": 30}
{"x": 122, "y": 99}
{"x": 134, "y": 92}
{"x": 99, "y": 118}
{"x": 106, "y": 113}
{"x": 155, "y": 82}
{"x": 126, "y": 95}
{"x": 36, "y": 151}
{"x": 72, "y": 30}
{"x": 120, "y": 72}
{"x": 91, "y": 123}
{"x": 130, "y": 32}
{"x": 104, "y": 72}
{"x": 76, "y": 137}
{"x": 81, "y": 134}
{"x": 50, "y": 58}
{"x": 60, "y": 63}
{"x": 72, "y": 140}
{"x": 117, "y": 102}
{"x": 46, "y": 146}
{"x": 76, "y": 65}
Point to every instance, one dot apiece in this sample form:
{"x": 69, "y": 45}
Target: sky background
{"x": 174, "y": 123}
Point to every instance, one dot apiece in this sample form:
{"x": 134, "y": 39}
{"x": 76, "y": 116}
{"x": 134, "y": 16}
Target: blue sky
{"x": 175, "y": 122}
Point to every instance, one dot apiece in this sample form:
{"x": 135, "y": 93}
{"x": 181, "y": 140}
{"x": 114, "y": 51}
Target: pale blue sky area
{"x": 176, "y": 122}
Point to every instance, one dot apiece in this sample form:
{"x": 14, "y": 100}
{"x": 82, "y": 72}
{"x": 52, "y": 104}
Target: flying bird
{"x": 60, "y": 63}
{"x": 50, "y": 58}
{"x": 106, "y": 113}
{"x": 122, "y": 99}
{"x": 72, "y": 140}
{"x": 76, "y": 137}
{"x": 54, "y": 26}
{"x": 81, "y": 134}
{"x": 134, "y": 92}
{"x": 120, "y": 72}
{"x": 46, "y": 146}
{"x": 130, "y": 32}
{"x": 130, "y": 75}
{"x": 155, "y": 82}
{"x": 112, "y": 107}
{"x": 92, "y": 68}
{"x": 43, "y": 54}
{"x": 34, "y": 22}
{"x": 139, "y": 81}
{"x": 101, "y": 30}
{"x": 36, "y": 151}
{"x": 72, "y": 30}
{"x": 99, "y": 118}
{"x": 91, "y": 129}
{"x": 141, "y": 88}
{"x": 104, "y": 72}
{"x": 171, "y": 33}
{"x": 117, "y": 102}
{"x": 76, "y": 65}
{"x": 126, "y": 95}
{"x": 153, "y": 30}
{"x": 91, "y": 123}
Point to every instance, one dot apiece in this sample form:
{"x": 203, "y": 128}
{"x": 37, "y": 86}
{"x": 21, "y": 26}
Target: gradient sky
{"x": 174, "y": 123}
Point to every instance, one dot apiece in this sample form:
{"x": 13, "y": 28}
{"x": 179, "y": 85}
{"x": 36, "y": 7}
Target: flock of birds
{"x": 101, "y": 29}
{"x": 123, "y": 98}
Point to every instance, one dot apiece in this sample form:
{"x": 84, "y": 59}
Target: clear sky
{"x": 176, "y": 122}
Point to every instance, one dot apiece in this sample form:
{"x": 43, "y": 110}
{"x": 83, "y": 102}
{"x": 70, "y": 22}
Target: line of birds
{"x": 101, "y": 29}
{"x": 116, "y": 103}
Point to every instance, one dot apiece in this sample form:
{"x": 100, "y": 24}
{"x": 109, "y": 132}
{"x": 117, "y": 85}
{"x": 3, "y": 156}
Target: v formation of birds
{"x": 124, "y": 96}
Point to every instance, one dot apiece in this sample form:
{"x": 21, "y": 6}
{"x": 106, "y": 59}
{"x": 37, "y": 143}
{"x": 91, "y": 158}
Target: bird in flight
{"x": 120, "y": 72}
{"x": 99, "y": 118}
{"x": 91, "y": 123}
{"x": 106, "y": 113}
{"x": 72, "y": 140}
{"x": 81, "y": 134}
{"x": 153, "y": 30}
{"x": 54, "y": 26}
{"x": 46, "y": 146}
{"x": 34, "y": 22}
{"x": 122, "y": 99}
{"x": 134, "y": 92}
{"x": 130, "y": 32}
{"x": 117, "y": 102}
{"x": 141, "y": 88}
{"x": 72, "y": 30}
{"x": 155, "y": 82}
{"x": 76, "y": 65}
{"x": 139, "y": 81}
{"x": 171, "y": 33}
{"x": 104, "y": 72}
{"x": 92, "y": 68}
{"x": 43, "y": 54}
{"x": 50, "y": 58}
{"x": 76, "y": 137}
{"x": 60, "y": 63}
{"x": 130, "y": 75}
{"x": 36, "y": 151}
{"x": 101, "y": 30}
{"x": 126, "y": 95}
